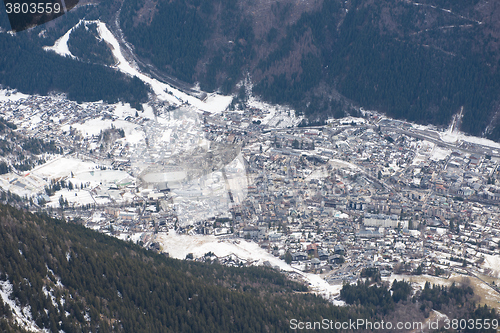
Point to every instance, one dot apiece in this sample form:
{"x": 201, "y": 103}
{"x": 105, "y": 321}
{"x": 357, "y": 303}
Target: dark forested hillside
{"x": 24, "y": 65}
{"x": 85, "y": 44}
{"x": 32, "y": 70}
{"x": 76, "y": 280}
{"x": 418, "y": 60}
{"x": 422, "y": 61}
{"x": 70, "y": 278}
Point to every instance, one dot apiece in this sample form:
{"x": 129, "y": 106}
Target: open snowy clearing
{"x": 214, "y": 103}
{"x": 103, "y": 177}
{"x": 10, "y": 95}
{"x": 439, "y": 154}
{"x": 75, "y": 198}
{"x": 456, "y": 136}
{"x": 178, "y": 246}
{"x": 492, "y": 262}
{"x": 63, "y": 167}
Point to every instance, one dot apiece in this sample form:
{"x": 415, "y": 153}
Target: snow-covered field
{"x": 493, "y": 263}
{"x": 439, "y": 153}
{"x": 457, "y": 136}
{"x": 63, "y": 167}
{"x": 74, "y": 198}
{"x": 178, "y": 246}
{"x": 8, "y": 95}
{"x": 103, "y": 177}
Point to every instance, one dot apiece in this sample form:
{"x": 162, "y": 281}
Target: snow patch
{"x": 22, "y": 315}
{"x": 61, "y": 45}
{"x": 58, "y": 279}
{"x": 492, "y": 262}
{"x": 178, "y": 246}
{"x": 49, "y": 293}
{"x": 213, "y": 103}
{"x": 63, "y": 167}
{"x": 11, "y": 95}
{"x": 439, "y": 154}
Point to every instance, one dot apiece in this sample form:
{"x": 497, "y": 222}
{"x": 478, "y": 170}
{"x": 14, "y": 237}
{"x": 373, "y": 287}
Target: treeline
{"x": 78, "y": 280}
{"x": 457, "y": 302}
{"x": 295, "y": 88}
{"x": 85, "y": 44}
{"x": 227, "y": 68}
{"x": 410, "y": 81}
{"x": 5, "y": 124}
{"x": 25, "y": 66}
{"x": 376, "y": 299}
{"x": 6, "y": 144}
{"x": 26, "y": 164}
{"x": 174, "y": 39}
{"x": 382, "y": 72}
{"x": 28, "y": 68}
{"x": 383, "y": 301}
{"x": 39, "y": 146}
{"x": 372, "y": 297}
{"x": 407, "y": 72}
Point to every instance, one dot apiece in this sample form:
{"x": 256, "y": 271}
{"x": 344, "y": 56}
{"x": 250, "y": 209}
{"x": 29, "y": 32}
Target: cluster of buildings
{"x": 333, "y": 199}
